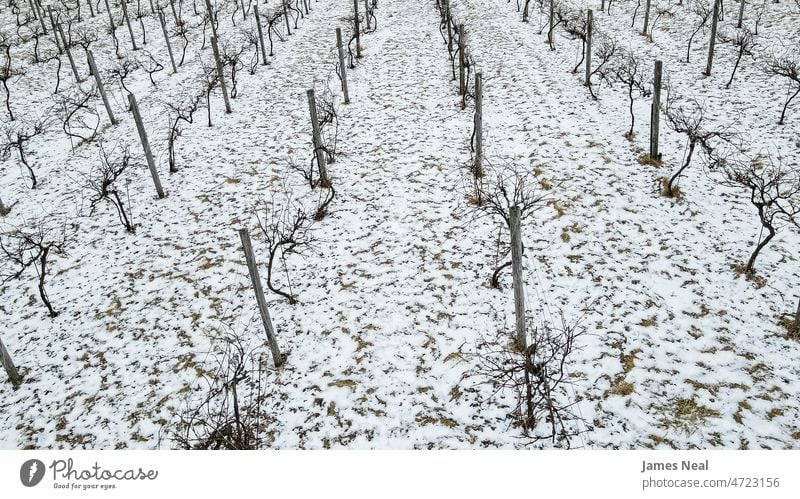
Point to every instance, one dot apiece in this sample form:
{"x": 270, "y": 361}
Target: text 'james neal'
{"x": 684, "y": 466}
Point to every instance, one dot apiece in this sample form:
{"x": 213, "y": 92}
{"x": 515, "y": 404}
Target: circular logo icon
{"x": 31, "y": 472}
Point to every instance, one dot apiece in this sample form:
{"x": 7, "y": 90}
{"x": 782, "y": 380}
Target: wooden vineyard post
{"x": 646, "y": 17}
{"x": 8, "y": 365}
{"x": 342, "y": 67}
{"x": 110, "y": 18}
{"x": 286, "y": 17}
{"x": 100, "y": 87}
{"x": 260, "y": 36}
{"x": 3, "y": 210}
{"x": 366, "y": 13}
{"x": 69, "y": 54}
{"x": 448, "y": 21}
{"x": 174, "y": 12}
{"x": 40, "y": 14}
{"x": 221, "y": 74}
{"x": 655, "y": 112}
{"x": 128, "y": 21}
{"x": 277, "y": 358}
{"x": 166, "y": 40}
{"x": 358, "y": 30}
{"x": 478, "y": 124}
{"x": 146, "y": 145}
{"x": 741, "y": 14}
{"x": 713, "y": 39}
{"x": 317, "y": 139}
{"x": 589, "y": 29}
{"x": 519, "y": 285}
{"x": 210, "y": 11}
{"x": 55, "y": 30}
{"x": 462, "y": 84}
{"x": 550, "y": 39}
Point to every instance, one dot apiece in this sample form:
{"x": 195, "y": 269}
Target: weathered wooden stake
{"x": 8, "y": 365}
{"x": 462, "y": 83}
{"x": 478, "y": 124}
{"x": 128, "y": 21}
{"x": 655, "y": 112}
{"x": 277, "y": 358}
{"x": 317, "y": 139}
{"x": 589, "y": 29}
{"x": 449, "y": 22}
{"x": 221, "y": 74}
{"x": 110, "y": 18}
{"x": 40, "y": 14}
{"x": 146, "y": 145}
{"x": 342, "y": 66}
{"x": 100, "y": 87}
{"x": 64, "y": 42}
{"x": 519, "y": 284}
{"x": 741, "y": 14}
{"x": 713, "y": 40}
{"x": 55, "y": 30}
{"x": 174, "y": 12}
{"x": 366, "y": 12}
{"x": 646, "y": 17}
{"x": 358, "y": 30}
{"x": 211, "y": 18}
{"x": 3, "y": 210}
{"x": 166, "y": 40}
{"x": 260, "y": 36}
{"x": 550, "y": 38}
{"x": 286, "y": 17}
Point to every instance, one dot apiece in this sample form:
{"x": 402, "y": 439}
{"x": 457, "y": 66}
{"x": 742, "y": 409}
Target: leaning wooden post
{"x": 166, "y": 40}
{"x": 128, "y": 21}
{"x": 655, "y": 112}
{"x": 40, "y": 14}
{"x": 221, "y": 74}
{"x": 260, "y": 36}
{"x": 317, "y": 139}
{"x": 8, "y": 365}
{"x": 286, "y": 17}
{"x": 145, "y": 145}
{"x": 55, "y": 30}
{"x": 478, "y": 124}
{"x": 342, "y": 67}
{"x": 210, "y": 11}
{"x": 64, "y": 42}
{"x": 516, "y": 268}
{"x": 358, "y": 30}
{"x": 589, "y": 29}
{"x": 110, "y": 18}
{"x": 741, "y": 14}
{"x": 100, "y": 87}
{"x": 646, "y": 17}
{"x": 448, "y": 20}
{"x": 713, "y": 40}
{"x": 277, "y": 358}
{"x": 462, "y": 83}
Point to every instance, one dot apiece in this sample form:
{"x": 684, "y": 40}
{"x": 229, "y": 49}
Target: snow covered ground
{"x": 394, "y": 302}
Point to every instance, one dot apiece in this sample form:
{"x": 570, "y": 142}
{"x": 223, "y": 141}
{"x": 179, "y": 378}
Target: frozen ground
{"x": 680, "y": 350}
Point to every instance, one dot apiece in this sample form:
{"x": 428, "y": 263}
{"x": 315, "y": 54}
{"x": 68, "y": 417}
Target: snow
{"x": 394, "y": 300}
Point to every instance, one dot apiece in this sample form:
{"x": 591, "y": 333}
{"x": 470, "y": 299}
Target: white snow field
{"x": 386, "y": 346}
